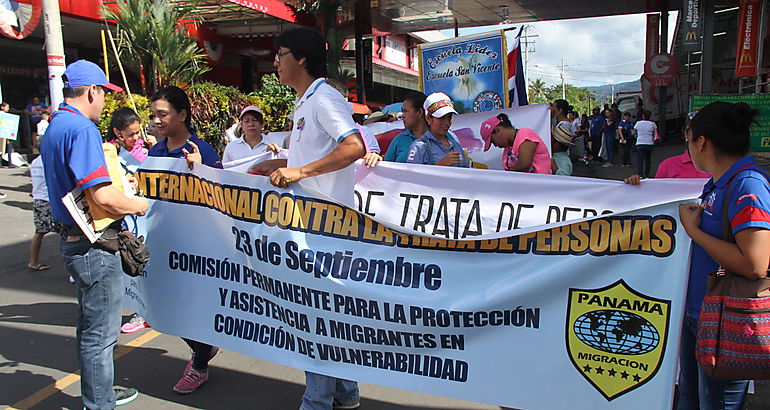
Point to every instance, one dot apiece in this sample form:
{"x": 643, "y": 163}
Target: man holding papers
{"x": 73, "y": 157}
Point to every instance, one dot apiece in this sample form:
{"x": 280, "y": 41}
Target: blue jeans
{"x": 608, "y": 141}
{"x": 99, "y": 279}
{"x": 696, "y": 389}
{"x": 320, "y": 391}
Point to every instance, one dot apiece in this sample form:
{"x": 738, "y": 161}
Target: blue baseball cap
{"x": 85, "y": 73}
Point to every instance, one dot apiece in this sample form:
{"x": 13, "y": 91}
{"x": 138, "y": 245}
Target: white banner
{"x": 591, "y": 308}
{"x": 477, "y": 204}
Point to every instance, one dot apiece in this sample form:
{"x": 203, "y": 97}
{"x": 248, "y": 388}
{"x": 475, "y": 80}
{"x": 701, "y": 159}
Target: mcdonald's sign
{"x": 746, "y": 59}
{"x": 691, "y": 25}
{"x": 748, "y": 38}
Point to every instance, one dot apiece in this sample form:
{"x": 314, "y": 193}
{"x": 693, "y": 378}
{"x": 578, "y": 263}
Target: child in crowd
{"x": 626, "y": 138}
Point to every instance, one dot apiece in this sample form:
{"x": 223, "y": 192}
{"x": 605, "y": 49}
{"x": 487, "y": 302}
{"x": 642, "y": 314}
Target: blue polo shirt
{"x": 627, "y": 127}
{"x": 398, "y": 150}
{"x": 428, "y": 150}
{"x": 72, "y": 157}
{"x": 597, "y": 122}
{"x": 748, "y": 207}
{"x": 208, "y": 153}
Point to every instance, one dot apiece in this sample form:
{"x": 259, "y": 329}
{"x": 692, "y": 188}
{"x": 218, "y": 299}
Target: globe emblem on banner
{"x": 487, "y": 101}
{"x": 616, "y": 331}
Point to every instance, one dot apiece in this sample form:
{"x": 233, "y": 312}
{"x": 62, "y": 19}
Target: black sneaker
{"x": 345, "y": 405}
{"x": 123, "y": 396}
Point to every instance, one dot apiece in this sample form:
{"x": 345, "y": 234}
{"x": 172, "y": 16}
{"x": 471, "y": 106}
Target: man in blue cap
{"x": 73, "y": 157}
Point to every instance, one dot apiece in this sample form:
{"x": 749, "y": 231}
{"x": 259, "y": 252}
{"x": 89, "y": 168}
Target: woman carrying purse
{"x": 718, "y": 141}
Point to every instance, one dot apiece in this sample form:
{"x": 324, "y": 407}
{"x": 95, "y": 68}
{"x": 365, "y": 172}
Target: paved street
{"x": 38, "y": 367}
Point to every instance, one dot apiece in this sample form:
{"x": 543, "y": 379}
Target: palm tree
{"x": 154, "y": 42}
{"x": 538, "y": 90}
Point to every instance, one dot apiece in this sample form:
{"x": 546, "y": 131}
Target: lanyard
{"x": 72, "y": 111}
{"x": 53, "y": 117}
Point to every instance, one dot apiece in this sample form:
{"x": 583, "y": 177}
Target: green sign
{"x": 760, "y": 132}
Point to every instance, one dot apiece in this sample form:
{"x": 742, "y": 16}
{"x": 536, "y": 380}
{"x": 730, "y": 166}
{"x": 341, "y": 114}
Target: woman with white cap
{"x": 252, "y": 140}
{"x": 438, "y": 146}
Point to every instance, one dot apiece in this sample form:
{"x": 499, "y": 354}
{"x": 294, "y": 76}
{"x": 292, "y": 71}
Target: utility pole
{"x": 563, "y": 89}
{"x": 525, "y": 50}
{"x": 54, "y": 48}
{"x": 613, "y": 93}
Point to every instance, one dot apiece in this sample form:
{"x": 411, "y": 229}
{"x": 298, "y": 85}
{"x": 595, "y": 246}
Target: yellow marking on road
{"x": 74, "y": 377}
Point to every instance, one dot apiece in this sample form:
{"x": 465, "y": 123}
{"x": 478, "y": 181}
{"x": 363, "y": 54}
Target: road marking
{"x": 68, "y": 380}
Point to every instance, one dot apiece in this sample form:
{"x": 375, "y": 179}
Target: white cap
{"x": 438, "y": 105}
{"x": 252, "y": 108}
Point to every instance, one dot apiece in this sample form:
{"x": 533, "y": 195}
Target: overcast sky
{"x": 596, "y": 51}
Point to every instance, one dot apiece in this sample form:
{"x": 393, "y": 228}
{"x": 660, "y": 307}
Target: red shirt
{"x": 679, "y": 166}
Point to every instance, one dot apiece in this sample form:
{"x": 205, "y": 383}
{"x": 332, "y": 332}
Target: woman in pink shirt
{"x": 523, "y": 150}
{"x": 679, "y": 166}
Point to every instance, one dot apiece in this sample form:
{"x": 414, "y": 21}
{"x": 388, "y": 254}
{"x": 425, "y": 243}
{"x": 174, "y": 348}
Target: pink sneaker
{"x": 214, "y": 351}
{"x": 191, "y": 380}
{"x": 135, "y": 323}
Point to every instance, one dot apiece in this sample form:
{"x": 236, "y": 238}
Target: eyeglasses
{"x": 279, "y": 54}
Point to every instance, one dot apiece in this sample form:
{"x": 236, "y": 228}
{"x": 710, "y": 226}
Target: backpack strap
{"x": 727, "y": 231}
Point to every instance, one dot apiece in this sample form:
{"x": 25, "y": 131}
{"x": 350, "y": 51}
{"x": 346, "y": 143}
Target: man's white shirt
{"x": 322, "y": 119}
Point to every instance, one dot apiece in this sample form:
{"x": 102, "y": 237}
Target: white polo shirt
{"x": 322, "y": 119}
{"x": 239, "y": 148}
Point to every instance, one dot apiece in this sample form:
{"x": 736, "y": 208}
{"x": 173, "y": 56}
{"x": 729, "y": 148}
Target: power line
{"x": 541, "y": 74}
{"x": 602, "y": 72}
{"x": 641, "y": 60}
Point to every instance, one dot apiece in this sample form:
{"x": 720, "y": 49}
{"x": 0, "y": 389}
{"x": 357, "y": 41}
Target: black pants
{"x": 201, "y": 354}
{"x": 644, "y": 155}
{"x": 626, "y": 152}
{"x": 596, "y": 144}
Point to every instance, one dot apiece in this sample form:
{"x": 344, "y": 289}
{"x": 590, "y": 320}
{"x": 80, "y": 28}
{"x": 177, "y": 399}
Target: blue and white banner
{"x": 590, "y": 304}
{"x": 9, "y": 127}
{"x": 471, "y": 70}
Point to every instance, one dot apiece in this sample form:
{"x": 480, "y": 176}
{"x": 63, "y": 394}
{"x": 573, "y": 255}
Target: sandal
{"x": 38, "y": 268}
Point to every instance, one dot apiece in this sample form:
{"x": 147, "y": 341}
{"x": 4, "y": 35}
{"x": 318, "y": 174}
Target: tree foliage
{"x": 153, "y": 41}
{"x": 326, "y": 11}
{"x": 115, "y": 100}
{"x": 579, "y": 97}
{"x": 276, "y": 101}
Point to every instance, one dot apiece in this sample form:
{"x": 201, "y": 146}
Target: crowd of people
{"x": 323, "y": 144}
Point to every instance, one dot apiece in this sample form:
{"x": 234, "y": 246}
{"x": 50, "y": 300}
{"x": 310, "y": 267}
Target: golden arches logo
{"x": 690, "y": 36}
{"x": 746, "y": 58}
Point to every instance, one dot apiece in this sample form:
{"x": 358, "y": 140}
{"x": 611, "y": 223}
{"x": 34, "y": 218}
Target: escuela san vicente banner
{"x": 591, "y": 307}
{"x": 471, "y": 70}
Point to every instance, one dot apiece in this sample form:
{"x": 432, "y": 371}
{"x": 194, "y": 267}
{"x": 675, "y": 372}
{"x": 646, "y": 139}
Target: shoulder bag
{"x": 734, "y": 328}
